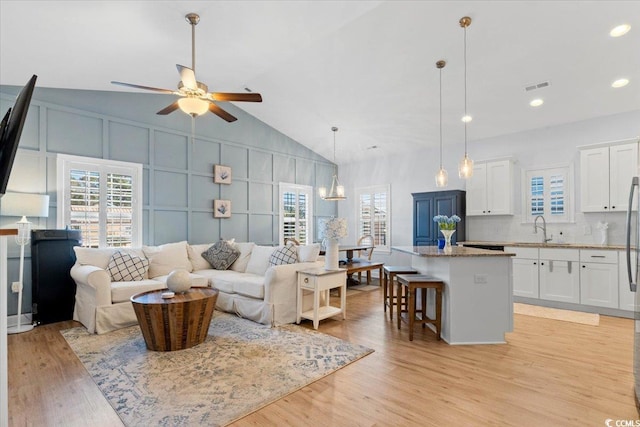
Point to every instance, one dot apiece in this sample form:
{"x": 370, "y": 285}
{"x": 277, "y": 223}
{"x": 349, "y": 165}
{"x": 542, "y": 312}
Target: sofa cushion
{"x": 221, "y": 255}
{"x": 219, "y": 279}
{"x": 94, "y": 256}
{"x": 259, "y": 261}
{"x": 245, "y": 248}
{"x": 246, "y": 284}
{"x": 196, "y": 280}
{"x": 125, "y": 267}
{"x": 165, "y": 258}
{"x": 123, "y": 291}
{"x": 194, "y": 252}
{"x": 308, "y": 253}
{"x": 284, "y": 255}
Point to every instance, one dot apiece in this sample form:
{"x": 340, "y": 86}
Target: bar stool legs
{"x": 410, "y": 284}
{"x": 389, "y": 274}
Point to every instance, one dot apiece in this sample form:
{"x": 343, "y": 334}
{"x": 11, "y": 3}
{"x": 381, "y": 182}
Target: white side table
{"x": 319, "y": 280}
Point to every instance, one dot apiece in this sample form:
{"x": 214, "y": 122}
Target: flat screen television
{"x": 10, "y": 131}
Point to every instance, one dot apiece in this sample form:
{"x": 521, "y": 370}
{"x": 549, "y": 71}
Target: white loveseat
{"x": 250, "y": 287}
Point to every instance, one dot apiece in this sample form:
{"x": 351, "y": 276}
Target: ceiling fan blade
{"x": 188, "y": 77}
{"x": 245, "y": 97}
{"x": 221, "y": 113}
{"x": 156, "y": 89}
{"x": 169, "y": 109}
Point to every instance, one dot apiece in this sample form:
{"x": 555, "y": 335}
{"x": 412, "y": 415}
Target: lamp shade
{"x": 333, "y": 228}
{"x": 22, "y": 204}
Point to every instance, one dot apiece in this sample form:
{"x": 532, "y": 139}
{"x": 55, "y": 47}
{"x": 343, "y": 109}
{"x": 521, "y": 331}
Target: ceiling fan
{"x": 195, "y": 98}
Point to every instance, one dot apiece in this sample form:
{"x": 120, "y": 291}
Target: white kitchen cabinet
{"x": 490, "y": 189}
{"x": 605, "y": 177}
{"x": 626, "y": 298}
{"x": 599, "y": 278}
{"x": 560, "y": 275}
{"x": 525, "y": 271}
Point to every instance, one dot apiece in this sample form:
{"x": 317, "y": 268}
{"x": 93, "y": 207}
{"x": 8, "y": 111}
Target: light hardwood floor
{"x": 551, "y": 373}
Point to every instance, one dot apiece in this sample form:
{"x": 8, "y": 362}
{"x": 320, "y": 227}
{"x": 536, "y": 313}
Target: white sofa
{"x": 250, "y": 287}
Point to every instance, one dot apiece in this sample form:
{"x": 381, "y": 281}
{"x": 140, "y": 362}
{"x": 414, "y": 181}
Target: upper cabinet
{"x": 605, "y": 177}
{"x": 427, "y": 205}
{"x": 490, "y": 189}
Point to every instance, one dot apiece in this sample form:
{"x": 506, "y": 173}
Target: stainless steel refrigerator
{"x": 633, "y": 262}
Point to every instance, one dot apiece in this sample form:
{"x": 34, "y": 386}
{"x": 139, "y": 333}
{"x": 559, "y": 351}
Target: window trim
{"x": 289, "y": 187}
{"x": 372, "y": 189}
{"x": 66, "y": 162}
{"x": 569, "y": 201}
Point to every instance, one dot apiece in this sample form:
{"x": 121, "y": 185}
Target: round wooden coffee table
{"x": 174, "y": 323}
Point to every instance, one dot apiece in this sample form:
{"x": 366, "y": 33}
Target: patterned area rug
{"x": 241, "y": 367}
{"x": 592, "y": 319}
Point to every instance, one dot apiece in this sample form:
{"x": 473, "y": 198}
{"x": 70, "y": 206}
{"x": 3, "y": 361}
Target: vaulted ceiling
{"x": 367, "y": 67}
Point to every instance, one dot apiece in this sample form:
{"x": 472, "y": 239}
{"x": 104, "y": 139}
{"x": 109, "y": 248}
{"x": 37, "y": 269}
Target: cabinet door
{"x": 477, "y": 191}
{"x": 525, "y": 277}
{"x": 626, "y": 298}
{"x": 599, "y": 284}
{"x": 423, "y": 225}
{"x": 446, "y": 204}
{"x": 560, "y": 280}
{"x": 594, "y": 180}
{"x": 623, "y": 161}
{"x": 499, "y": 188}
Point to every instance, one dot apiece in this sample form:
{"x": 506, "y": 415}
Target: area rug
{"x": 592, "y": 319}
{"x": 241, "y": 367}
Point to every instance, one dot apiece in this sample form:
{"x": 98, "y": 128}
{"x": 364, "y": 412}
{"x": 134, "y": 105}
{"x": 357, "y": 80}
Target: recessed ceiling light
{"x": 620, "y": 30}
{"x": 536, "y": 102}
{"x": 467, "y": 119}
{"x": 620, "y": 83}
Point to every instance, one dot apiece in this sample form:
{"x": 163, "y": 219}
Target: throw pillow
{"x": 259, "y": 260}
{"x": 165, "y": 258}
{"x": 308, "y": 253}
{"x": 240, "y": 265}
{"x": 125, "y": 267}
{"x": 221, "y": 255}
{"x": 284, "y": 255}
{"x": 194, "y": 252}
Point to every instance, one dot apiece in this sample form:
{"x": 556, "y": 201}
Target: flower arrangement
{"x": 446, "y": 223}
{"x": 333, "y": 228}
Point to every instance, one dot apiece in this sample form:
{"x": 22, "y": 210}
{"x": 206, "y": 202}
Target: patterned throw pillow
{"x": 221, "y": 255}
{"x": 284, "y": 255}
{"x": 124, "y": 267}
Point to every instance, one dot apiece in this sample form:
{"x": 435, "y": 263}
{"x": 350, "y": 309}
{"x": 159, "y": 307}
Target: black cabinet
{"x": 427, "y": 205}
{"x": 53, "y": 291}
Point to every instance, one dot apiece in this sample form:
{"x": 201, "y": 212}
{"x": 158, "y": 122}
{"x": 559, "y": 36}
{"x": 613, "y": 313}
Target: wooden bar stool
{"x": 410, "y": 283}
{"x": 390, "y": 272}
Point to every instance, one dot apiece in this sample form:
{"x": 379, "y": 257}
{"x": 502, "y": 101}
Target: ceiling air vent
{"x": 537, "y": 86}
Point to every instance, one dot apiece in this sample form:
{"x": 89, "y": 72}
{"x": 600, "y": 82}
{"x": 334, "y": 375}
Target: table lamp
{"x": 331, "y": 229}
{"x": 24, "y": 205}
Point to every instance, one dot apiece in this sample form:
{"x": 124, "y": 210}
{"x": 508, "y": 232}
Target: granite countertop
{"x": 547, "y": 245}
{"x": 456, "y": 251}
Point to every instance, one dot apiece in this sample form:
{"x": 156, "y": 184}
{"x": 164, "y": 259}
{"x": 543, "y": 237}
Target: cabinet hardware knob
{"x": 535, "y": 263}
{"x": 584, "y": 266}
{"x": 613, "y": 207}
{"x": 306, "y": 280}
{"x": 605, "y": 207}
{"x": 542, "y": 263}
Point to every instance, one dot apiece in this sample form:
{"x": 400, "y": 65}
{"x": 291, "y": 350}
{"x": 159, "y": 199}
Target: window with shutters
{"x": 548, "y": 193}
{"x": 102, "y": 199}
{"x": 296, "y": 213}
{"x": 374, "y": 215}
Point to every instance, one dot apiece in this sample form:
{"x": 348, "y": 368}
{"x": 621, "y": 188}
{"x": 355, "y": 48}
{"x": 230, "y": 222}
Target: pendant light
{"x": 442, "y": 178}
{"x": 336, "y": 192}
{"x": 465, "y": 167}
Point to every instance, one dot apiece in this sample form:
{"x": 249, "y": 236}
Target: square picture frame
{"x": 221, "y": 174}
{"x": 222, "y": 208}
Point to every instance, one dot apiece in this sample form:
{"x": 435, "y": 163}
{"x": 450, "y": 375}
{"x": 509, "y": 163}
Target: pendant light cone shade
{"x": 465, "y": 167}
{"x": 442, "y": 177}
{"x": 193, "y": 106}
{"x": 336, "y": 192}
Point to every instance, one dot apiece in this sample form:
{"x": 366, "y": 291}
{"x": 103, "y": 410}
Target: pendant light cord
{"x": 335, "y": 167}
{"x": 441, "y": 119}
{"x": 465, "y": 92}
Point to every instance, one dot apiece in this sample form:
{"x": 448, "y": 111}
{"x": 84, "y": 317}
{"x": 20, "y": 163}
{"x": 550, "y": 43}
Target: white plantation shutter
{"x": 374, "y": 215}
{"x": 102, "y": 199}
{"x": 296, "y": 210}
{"x": 547, "y": 194}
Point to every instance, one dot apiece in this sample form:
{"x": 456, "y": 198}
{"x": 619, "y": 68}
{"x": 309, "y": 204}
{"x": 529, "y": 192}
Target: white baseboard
{"x": 13, "y": 319}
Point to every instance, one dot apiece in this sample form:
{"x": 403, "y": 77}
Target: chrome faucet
{"x": 544, "y": 228}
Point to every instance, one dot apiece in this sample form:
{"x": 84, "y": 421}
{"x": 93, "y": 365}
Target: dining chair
{"x": 292, "y": 240}
{"x": 366, "y": 240}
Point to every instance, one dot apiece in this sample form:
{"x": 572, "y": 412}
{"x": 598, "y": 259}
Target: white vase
{"x": 447, "y": 238}
{"x": 331, "y": 254}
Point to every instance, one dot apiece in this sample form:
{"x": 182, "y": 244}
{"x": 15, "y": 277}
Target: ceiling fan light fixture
{"x": 193, "y": 106}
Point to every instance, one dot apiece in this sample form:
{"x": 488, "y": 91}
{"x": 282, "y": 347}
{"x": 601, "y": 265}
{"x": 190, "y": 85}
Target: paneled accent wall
{"x": 178, "y": 187}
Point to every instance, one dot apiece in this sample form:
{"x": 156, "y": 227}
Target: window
{"x": 102, "y": 199}
{"x": 548, "y": 193}
{"x": 296, "y": 213}
{"x": 374, "y": 215}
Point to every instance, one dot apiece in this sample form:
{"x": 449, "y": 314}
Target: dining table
{"x": 353, "y": 265}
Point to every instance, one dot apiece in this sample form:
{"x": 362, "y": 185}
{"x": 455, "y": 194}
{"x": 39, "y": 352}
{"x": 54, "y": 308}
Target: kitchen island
{"x": 477, "y": 304}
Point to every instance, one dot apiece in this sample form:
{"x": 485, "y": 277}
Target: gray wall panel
{"x": 170, "y": 150}
{"x": 128, "y": 143}
{"x": 203, "y": 192}
{"x": 262, "y": 230}
{"x": 170, "y": 189}
{"x": 260, "y": 166}
{"x": 237, "y": 158}
{"x": 261, "y": 198}
{"x": 169, "y": 226}
{"x": 284, "y": 169}
{"x": 238, "y": 194}
{"x": 305, "y": 172}
{"x": 71, "y": 133}
{"x": 235, "y": 227}
{"x": 204, "y": 155}
{"x": 204, "y": 229}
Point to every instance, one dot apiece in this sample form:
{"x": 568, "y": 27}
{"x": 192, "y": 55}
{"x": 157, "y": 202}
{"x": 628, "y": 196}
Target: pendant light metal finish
{"x": 442, "y": 177}
{"x": 465, "y": 167}
{"x": 336, "y": 192}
